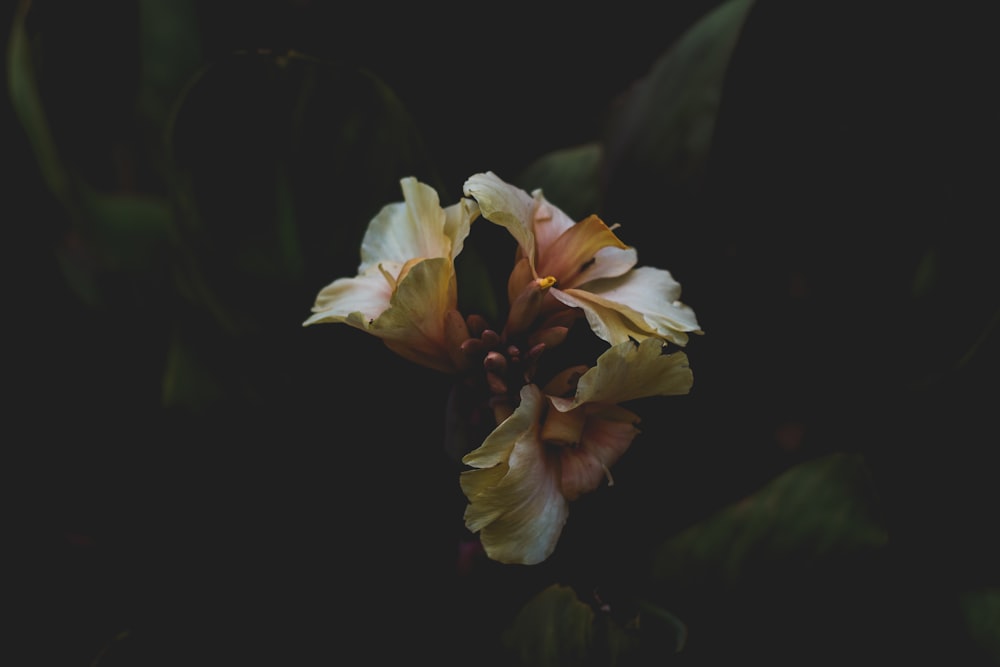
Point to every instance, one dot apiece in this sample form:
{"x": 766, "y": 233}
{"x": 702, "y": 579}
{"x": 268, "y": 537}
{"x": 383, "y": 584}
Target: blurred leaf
{"x": 555, "y": 628}
{"x": 825, "y": 507}
{"x": 30, "y": 111}
{"x": 122, "y": 249}
{"x": 188, "y": 382}
{"x": 279, "y": 161}
{"x": 170, "y": 54}
{"x": 982, "y": 617}
{"x": 666, "y": 627}
{"x": 115, "y": 238}
{"x": 131, "y": 231}
{"x": 662, "y": 132}
{"x": 569, "y": 178}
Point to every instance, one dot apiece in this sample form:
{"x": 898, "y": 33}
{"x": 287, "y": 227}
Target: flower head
{"x": 405, "y": 291}
{"x": 559, "y": 444}
{"x": 591, "y": 267}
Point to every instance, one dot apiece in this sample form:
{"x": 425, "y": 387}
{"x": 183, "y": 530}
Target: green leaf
{"x": 279, "y": 162}
{"x": 981, "y": 610}
{"x": 122, "y": 246}
{"x": 569, "y": 178}
{"x": 553, "y": 629}
{"x": 556, "y": 628}
{"x": 188, "y": 382}
{"x": 170, "y": 53}
{"x": 662, "y": 133}
{"x": 28, "y": 106}
{"x": 822, "y": 508}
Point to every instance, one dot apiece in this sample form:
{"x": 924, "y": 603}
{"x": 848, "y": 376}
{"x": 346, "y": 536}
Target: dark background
{"x": 851, "y": 138}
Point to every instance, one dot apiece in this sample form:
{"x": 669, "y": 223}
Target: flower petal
{"x": 608, "y": 432}
{"x": 413, "y": 325}
{"x": 515, "y": 502}
{"x": 645, "y": 301}
{"x": 415, "y": 228}
{"x": 505, "y": 205}
{"x": 366, "y": 296}
{"x": 628, "y": 371}
{"x": 585, "y": 251}
{"x": 457, "y": 222}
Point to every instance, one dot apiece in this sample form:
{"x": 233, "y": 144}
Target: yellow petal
{"x": 413, "y": 325}
{"x": 627, "y": 371}
{"x": 515, "y": 502}
{"x": 497, "y": 446}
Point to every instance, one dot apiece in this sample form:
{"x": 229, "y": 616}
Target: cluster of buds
{"x": 555, "y": 433}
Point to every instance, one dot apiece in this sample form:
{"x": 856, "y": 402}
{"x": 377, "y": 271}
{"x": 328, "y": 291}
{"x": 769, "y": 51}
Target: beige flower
{"x": 592, "y": 269}
{"x": 558, "y": 445}
{"x": 405, "y": 291}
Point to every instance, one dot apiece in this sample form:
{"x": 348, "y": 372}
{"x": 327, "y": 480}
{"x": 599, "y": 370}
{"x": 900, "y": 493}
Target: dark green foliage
{"x": 208, "y": 482}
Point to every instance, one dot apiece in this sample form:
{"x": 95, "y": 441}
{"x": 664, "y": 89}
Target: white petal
{"x": 367, "y": 295}
{"x": 505, "y": 205}
{"x": 411, "y": 229}
{"x": 458, "y": 220}
{"x": 644, "y": 300}
{"x": 516, "y": 505}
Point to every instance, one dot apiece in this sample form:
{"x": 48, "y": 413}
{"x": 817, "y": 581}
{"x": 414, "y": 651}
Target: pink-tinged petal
{"x": 644, "y": 301}
{"x": 505, "y": 205}
{"x": 520, "y": 276}
{"x": 608, "y": 432}
{"x": 575, "y": 254}
{"x": 627, "y": 371}
{"x": 411, "y": 229}
{"x": 413, "y": 325}
{"x": 549, "y": 223}
{"x": 365, "y": 296}
{"x": 515, "y": 503}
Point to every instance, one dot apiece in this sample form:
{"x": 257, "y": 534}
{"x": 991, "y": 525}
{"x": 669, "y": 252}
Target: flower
{"x": 405, "y": 291}
{"x": 593, "y": 270}
{"x": 558, "y": 445}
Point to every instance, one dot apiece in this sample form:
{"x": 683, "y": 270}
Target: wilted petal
{"x": 515, "y": 502}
